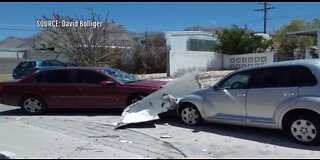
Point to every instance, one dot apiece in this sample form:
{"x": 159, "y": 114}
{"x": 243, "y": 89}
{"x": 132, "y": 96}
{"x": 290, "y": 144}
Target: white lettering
{"x": 47, "y": 23}
{"x": 89, "y": 23}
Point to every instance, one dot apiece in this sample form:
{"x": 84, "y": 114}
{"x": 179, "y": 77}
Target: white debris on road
{"x": 125, "y": 141}
{"x": 160, "y": 101}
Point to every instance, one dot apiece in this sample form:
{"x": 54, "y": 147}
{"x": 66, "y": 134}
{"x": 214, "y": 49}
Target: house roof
{"x": 311, "y": 32}
{"x": 180, "y": 33}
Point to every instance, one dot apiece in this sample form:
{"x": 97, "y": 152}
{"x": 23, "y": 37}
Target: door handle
{"x": 286, "y": 94}
{"x": 79, "y": 89}
{"x": 241, "y": 95}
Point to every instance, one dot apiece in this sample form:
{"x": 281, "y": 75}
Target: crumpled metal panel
{"x": 160, "y": 101}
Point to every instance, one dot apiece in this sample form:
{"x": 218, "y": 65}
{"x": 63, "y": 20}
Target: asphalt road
{"x": 90, "y": 134}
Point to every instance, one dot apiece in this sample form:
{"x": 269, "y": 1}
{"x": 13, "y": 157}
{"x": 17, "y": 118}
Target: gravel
{"x": 206, "y": 78}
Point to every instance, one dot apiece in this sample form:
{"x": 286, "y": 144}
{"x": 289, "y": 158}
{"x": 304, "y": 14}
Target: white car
{"x": 282, "y": 95}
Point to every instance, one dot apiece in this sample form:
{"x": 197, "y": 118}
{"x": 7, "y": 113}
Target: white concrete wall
{"x": 4, "y": 54}
{"x": 247, "y": 60}
{"x": 181, "y": 62}
{"x": 177, "y": 43}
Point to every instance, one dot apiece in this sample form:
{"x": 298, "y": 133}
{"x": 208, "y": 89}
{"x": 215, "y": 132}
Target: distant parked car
{"x": 282, "y": 95}
{"x": 76, "y": 87}
{"x": 27, "y": 68}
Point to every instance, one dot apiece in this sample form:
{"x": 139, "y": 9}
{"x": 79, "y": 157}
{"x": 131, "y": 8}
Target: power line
{"x": 295, "y": 16}
{"x": 265, "y": 9}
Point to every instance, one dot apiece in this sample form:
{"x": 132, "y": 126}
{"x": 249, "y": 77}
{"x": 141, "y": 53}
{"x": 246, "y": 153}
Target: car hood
{"x": 10, "y": 81}
{"x": 201, "y": 92}
{"x": 148, "y": 83}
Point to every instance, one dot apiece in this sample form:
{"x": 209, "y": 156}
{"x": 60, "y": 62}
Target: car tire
{"x": 305, "y": 129}
{"x": 135, "y": 98}
{"x": 33, "y": 105}
{"x": 190, "y": 115}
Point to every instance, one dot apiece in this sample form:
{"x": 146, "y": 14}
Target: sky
{"x": 19, "y": 18}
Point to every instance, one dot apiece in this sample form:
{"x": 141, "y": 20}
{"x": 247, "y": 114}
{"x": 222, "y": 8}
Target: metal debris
{"x": 125, "y": 141}
{"x": 165, "y": 136}
{"x": 105, "y": 136}
{"x": 160, "y": 101}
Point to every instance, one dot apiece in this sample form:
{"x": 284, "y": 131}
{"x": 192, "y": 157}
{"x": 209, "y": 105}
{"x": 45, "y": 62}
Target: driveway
{"x": 90, "y": 134}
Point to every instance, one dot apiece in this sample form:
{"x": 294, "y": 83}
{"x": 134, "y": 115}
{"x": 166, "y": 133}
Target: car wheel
{"x": 304, "y": 129}
{"x": 135, "y": 98}
{"x": 33, "y": 105}
{"x": 190, "y": 115}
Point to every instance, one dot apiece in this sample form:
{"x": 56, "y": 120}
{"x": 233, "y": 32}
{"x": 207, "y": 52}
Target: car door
{"x": 275, "y": 86}
{"x": 93, "y": 94}
{"x": 227, "y": 101}
{"x": 57, "y": 88}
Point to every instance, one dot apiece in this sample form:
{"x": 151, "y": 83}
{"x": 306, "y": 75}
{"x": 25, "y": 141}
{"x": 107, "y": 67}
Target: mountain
{"x": 119, "y": 33}
{"x": 205, "y": 29}
{"x": 12, "y": 42}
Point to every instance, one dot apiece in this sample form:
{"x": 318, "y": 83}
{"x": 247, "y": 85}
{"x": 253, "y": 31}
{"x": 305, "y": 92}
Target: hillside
{"x": 13, "y": 42}
{"x": 119, "y": 33}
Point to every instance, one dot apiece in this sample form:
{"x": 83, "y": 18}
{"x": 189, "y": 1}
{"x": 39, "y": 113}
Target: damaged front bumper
{"x": 160, "y": 101}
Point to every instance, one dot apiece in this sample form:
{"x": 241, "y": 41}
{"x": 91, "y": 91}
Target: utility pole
{"x": 265, "y": 9}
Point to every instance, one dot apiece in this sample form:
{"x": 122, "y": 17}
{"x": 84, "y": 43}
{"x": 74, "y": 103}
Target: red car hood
{"x": 10, "y": 81}
{"x": 148, "y": 83}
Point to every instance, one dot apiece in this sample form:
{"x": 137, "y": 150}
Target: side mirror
{"x": 107, "y": 83}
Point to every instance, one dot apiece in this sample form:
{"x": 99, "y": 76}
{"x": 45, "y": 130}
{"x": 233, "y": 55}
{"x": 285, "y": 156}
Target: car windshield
{"x": 121, "y": 75}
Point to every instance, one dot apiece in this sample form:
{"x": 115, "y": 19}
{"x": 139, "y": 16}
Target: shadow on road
{"x": 262, "y": 135}
{"x": 150, "y": 124}
{"x": 67, "y": 112}
{"x": 268, "y": 136}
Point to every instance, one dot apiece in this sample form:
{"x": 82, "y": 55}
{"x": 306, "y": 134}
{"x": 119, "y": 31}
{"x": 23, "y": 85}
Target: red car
{"x": 76, "y": 88}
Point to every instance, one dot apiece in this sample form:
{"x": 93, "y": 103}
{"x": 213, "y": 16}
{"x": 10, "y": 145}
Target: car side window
{"x": 58, "y": 76}
{"x": 32, "y": 64}
{"x": 237, "y": 81}
{"x": 305, "y": 77}
{"x": 23, "y": 65}
{"x": 90, "y": 77}
{"x": 56, "y": 63}
{"x": 45, "y": 63}
{"x": 27, "y": 65}
{"x": 275, "y": 77}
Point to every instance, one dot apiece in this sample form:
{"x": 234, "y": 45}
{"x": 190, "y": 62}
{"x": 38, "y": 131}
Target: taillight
{"x": 35, "y": 68}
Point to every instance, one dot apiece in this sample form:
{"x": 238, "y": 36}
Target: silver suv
{"x": 282, "y": 95}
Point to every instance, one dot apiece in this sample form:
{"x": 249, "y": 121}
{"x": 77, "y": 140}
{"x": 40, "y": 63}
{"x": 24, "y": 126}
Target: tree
{"x": 98, "y": 46}
{"x": 287, "y": 44}
{"x": 151, "y": 55}
{"x": 88, "y": 45}
{"x": 239, "y": 41}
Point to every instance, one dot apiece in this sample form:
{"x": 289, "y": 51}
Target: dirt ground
{"x": 206, "y": 78}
